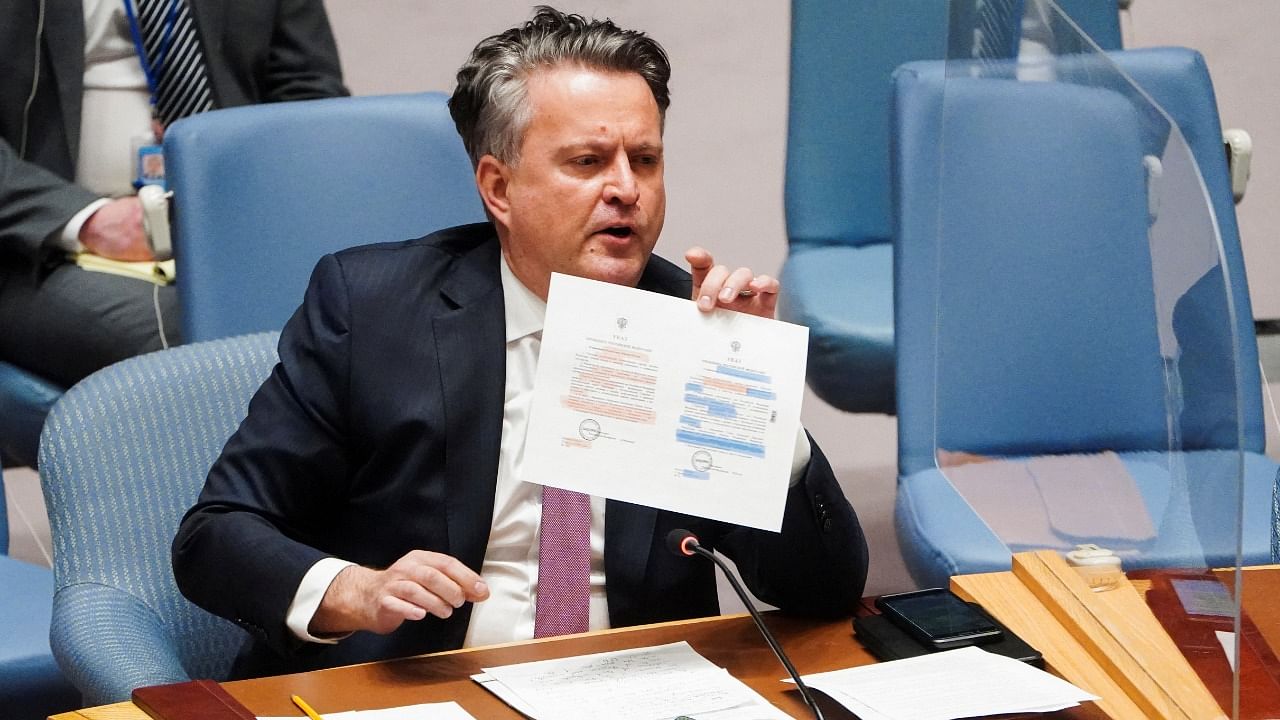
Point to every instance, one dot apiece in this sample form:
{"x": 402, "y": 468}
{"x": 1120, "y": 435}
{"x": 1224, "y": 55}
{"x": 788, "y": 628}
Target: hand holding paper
{"x": 741, "y": 290}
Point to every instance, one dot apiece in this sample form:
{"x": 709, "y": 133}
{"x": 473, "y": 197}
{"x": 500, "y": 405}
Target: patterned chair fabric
{"x": 123, "y": 456}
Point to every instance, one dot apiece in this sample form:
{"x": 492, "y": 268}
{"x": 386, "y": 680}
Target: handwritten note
{"x": 656, "y": 683}
{"x": 641, "y": 397}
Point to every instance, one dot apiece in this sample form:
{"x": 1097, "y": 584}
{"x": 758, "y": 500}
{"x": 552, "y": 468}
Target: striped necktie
{"x": 169, "y": 36}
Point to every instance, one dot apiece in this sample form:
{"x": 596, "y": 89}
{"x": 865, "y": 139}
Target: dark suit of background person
{"x": 61, "y": 322}
{"x": 378, "y": 433}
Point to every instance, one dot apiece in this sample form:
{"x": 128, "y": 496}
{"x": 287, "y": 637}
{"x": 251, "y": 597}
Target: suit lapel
{"x": 209, "y": 19}
{"x": 64, "y": 39}
{"x": 628, "y": 537}
{"x": 470, "y": 340}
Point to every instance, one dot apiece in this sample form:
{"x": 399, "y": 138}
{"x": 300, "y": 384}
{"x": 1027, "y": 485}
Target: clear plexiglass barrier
{"x": 1078, "y": 330}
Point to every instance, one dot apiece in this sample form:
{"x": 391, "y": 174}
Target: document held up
{"x": 641, "y": 397}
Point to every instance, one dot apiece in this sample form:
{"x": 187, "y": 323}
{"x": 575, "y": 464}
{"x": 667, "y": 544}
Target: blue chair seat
{"x": 844, "y": 294}
{"x": 942, "y": 536}
{"x": 31, "y": 685}
{"x": 25, "y": 400}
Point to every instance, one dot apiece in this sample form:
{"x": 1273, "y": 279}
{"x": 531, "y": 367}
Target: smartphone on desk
{"x": 939, "y": 619}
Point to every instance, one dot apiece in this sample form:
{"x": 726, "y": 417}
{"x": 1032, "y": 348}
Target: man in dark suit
{"x": 73, "y": 101}
{"x": 372, "y": 503}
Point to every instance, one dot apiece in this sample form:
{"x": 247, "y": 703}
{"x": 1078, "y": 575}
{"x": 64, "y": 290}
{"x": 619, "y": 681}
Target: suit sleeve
{"x": 261, "y": 517}
{"x": 817, "y": 564}
{"x": 302, "y": 63}
{"x": 34, "y": 204}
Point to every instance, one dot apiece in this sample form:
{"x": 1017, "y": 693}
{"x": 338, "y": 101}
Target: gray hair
{"x": 490, "y": 106}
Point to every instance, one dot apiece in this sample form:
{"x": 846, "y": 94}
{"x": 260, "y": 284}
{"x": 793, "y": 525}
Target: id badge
{"x": 150, "y": 166}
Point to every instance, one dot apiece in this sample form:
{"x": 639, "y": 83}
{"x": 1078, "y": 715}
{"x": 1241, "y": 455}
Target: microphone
{"x": 684, "y": 543}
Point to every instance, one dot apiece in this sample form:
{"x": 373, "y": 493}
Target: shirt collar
{"x": 525, "y": 312}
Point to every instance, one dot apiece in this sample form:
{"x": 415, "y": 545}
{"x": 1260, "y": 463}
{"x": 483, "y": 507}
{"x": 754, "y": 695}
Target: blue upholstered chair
{"x": 262, "y": 192}
{"x": 31, "y": 685}
{"x": 1033, "y": 321}
{"x": 25, "y": 399}
{"x": 839, "y": 271}
{"x": 123, "y": 456}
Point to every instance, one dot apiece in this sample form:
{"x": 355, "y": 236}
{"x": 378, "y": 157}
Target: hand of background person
{"x": 742, "y": 290}
{"x": 115, "y": 231}
{"x": 418, "y": 584}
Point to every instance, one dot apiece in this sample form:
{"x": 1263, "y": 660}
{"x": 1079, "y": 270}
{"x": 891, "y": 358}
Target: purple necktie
{"x": 564, "y": 563}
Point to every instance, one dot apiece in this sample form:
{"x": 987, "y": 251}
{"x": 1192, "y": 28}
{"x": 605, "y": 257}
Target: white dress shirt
{"x": 116, "y": 110}
{"x": 511, "y": 559}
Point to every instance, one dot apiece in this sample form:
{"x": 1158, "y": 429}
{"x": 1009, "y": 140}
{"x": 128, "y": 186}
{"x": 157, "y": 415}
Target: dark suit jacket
{"x": 378, "y": 433}
{"x": 255, "y": 51}
{"x": 34, "y": 203}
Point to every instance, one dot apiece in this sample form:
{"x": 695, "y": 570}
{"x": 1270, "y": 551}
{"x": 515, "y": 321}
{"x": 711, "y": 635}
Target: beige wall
{"x": 1238, "y": 40}
{"x": 726, "y": 129}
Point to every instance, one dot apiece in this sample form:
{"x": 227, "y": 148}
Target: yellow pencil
{"x": 304, "y": 707}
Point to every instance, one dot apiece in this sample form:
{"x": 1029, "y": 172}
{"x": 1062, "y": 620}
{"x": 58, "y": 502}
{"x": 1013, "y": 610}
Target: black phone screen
{"x": 938, "y": 617}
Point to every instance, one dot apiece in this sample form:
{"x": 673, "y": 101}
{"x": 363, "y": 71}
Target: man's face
{"x": 586, "y": 196}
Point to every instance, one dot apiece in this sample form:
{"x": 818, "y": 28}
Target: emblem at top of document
{"x": 622, "y": 323}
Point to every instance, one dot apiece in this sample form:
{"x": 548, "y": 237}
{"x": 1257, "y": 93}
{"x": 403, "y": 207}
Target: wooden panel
{"x": 1122, "y": 635}
{"x": 1012, "y": 603}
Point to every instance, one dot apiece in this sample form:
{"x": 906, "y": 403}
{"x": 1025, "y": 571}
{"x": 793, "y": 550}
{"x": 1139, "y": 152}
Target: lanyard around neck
{"x": 152, "y": 67}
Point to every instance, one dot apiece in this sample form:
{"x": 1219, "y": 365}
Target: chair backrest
{"x": 123, "y": 456}
{"x": 1045, "y": 199}
{"x": 262, "y": 192}
{"x": 842, "y": 56}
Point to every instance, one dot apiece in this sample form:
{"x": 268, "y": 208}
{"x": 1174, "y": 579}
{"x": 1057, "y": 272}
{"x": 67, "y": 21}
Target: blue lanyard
{"x": 149, "y": 68}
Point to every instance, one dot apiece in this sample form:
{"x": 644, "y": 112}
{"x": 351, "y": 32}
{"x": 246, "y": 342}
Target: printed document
{"x": 642, "y": 397}
{"x": 969, "y": 682}
{"x": 654, "y": 683}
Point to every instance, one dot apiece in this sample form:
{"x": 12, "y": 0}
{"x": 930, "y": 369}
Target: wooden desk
{"x": 731, "y": 642}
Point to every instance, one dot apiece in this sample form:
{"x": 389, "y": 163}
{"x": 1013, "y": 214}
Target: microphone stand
{"x": 689, "y": 544}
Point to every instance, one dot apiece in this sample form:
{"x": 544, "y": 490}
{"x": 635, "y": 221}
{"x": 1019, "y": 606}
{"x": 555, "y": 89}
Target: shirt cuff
{"x": 800, "y": 461}
{"x": 307, "y": 600}
{"x": 69, "y": 238}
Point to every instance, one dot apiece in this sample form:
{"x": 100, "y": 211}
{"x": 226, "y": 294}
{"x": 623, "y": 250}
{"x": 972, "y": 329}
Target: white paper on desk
{"x": 426, "y": 711}
{"x": 1227, "y": 640}
{"x": 641, "y": 397}
{"x": 655, "y": 683}
{"x": 960, "y": 683}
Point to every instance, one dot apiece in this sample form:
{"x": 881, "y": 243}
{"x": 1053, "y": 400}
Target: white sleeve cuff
{"x": 800, "y": 461}
{"x": 69, "y": 238}
{"x": 307, "y": 600}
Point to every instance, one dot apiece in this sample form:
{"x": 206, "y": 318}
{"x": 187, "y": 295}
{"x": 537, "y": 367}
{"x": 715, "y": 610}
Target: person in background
{"x": 373, "y": 504}
{"x": 87, "y": 88}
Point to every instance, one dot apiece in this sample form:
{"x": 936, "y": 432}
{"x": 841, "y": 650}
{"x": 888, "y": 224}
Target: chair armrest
{"x": 1239, "y": 147}
{"x": 109, "y": 642}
